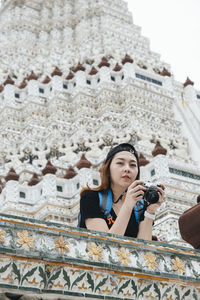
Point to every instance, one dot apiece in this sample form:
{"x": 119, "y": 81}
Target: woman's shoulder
{"x": 89, "y": 193}
{"x": 89, "y": 197}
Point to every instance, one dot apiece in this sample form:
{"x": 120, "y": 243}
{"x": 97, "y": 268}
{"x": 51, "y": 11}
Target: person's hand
{"x": 135, "y": 192}
{"x": 153, "y": 207}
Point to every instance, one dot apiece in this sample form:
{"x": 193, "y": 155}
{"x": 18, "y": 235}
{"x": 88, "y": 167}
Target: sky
{"x": 173, "y": 28}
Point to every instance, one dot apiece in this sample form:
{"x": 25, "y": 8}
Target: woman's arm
{"x": 145, "y": 229}
{"x": 134, "y": 193}
{"x": 119, "y": 227}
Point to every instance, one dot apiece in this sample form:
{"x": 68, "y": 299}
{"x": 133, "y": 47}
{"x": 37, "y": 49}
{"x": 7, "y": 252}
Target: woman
{"x": 120, "y": 173}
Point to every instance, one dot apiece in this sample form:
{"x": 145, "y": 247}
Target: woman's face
{"x": 123, "y": 169}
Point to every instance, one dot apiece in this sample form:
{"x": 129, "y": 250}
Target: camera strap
{"x": 138, "y": 209}
{"x": 106, "y": 203}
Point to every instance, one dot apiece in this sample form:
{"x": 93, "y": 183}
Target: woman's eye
{"x": 133, "y": 165}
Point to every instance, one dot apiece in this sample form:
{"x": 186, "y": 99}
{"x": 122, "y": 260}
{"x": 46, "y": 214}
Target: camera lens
{"x": 152, "y": 195}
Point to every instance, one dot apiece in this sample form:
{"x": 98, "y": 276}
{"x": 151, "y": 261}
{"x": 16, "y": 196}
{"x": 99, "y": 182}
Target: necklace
{"x": 120, "y": 197}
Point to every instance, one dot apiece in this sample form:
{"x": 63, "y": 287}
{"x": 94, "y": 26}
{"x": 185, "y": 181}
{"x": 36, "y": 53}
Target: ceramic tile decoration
{"x": 42, "y": 257}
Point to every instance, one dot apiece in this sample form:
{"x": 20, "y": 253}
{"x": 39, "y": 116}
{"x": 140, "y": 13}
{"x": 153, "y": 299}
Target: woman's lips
{"x": 126, "y": 177}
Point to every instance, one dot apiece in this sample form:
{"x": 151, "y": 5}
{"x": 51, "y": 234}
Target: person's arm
{"x": 145, "y": 229}
{"x": 119, "y": 226}
{"x": 134, "y": 193}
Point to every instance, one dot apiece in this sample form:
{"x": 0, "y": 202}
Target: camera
{"x": 151, "y": 195}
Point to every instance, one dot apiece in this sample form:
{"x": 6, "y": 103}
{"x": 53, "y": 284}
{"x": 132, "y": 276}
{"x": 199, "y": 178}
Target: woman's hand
{"x": 153, "y": 207}
{"x": 135, "y": 192}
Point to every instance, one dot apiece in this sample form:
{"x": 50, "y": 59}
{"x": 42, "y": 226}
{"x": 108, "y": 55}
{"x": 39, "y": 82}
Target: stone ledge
{"x": 40, "y": 257}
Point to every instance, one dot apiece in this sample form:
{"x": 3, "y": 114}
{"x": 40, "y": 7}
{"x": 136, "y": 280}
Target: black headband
{"x": 119, "y": 148}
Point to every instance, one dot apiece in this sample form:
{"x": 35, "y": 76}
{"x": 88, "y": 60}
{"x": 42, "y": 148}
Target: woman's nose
{"x": 126, "y": 168}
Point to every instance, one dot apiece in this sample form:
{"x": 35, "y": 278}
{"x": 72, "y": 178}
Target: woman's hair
{"x": 105, "y": 176}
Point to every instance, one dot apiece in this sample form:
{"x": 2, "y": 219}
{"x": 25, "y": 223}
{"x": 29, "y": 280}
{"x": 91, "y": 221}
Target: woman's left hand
{"x": 153, "y": 207}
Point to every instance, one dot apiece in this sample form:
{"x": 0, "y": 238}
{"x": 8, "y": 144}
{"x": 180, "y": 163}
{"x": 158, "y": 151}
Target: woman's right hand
{"x": 135, "y": 192}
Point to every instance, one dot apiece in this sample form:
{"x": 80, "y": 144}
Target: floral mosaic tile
{"x": 42, "y": 277}
{"x": 44, "y": 257}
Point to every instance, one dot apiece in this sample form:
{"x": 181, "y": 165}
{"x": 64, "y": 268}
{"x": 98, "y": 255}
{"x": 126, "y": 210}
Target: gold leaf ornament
{"x": 2, "y": 236}
{"x": 178, "y": 266}
{"x": 95, "y": 251}
{"x": 170, "y": 298}
{"x": 106, "y": 290}
{"x": 25, "y": 240}
{"x": 82, "y": 287}
{"x": 151, "y": 261}
{"x": 61, "y": 245}
{"x": 124, "y": 256}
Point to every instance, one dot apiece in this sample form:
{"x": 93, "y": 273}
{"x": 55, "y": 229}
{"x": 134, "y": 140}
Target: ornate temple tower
{"x": 76, "y": 78}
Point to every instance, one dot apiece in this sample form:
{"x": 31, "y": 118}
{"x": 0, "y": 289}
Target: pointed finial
{"x": 79, "y": 67}
{"x": 70, "y": 173}
{"x": 32, "y": 76}
{"x": 127, "y": 59}
{"x": 70, "y": 76}
{"x": 158, "y": 149}
{"x": 12, "y": 175}
{"x": 34, "y": 180}
{"x": 83, "y": 163}
{"x": 49, "y": 168}
{"x": 9, "y": 81}
{"x": 93, "y": 71}
{"x": 56, "y": 72}
{"x": 117, "y": 68}
{"x": 104, "y": 63}
{"x": 23, "y": 84}
{"x": 142, "y": 160}
{"x": 165, "y": 72}
{"x": 188, "y": 82}
{"x": 46, "y": 80}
